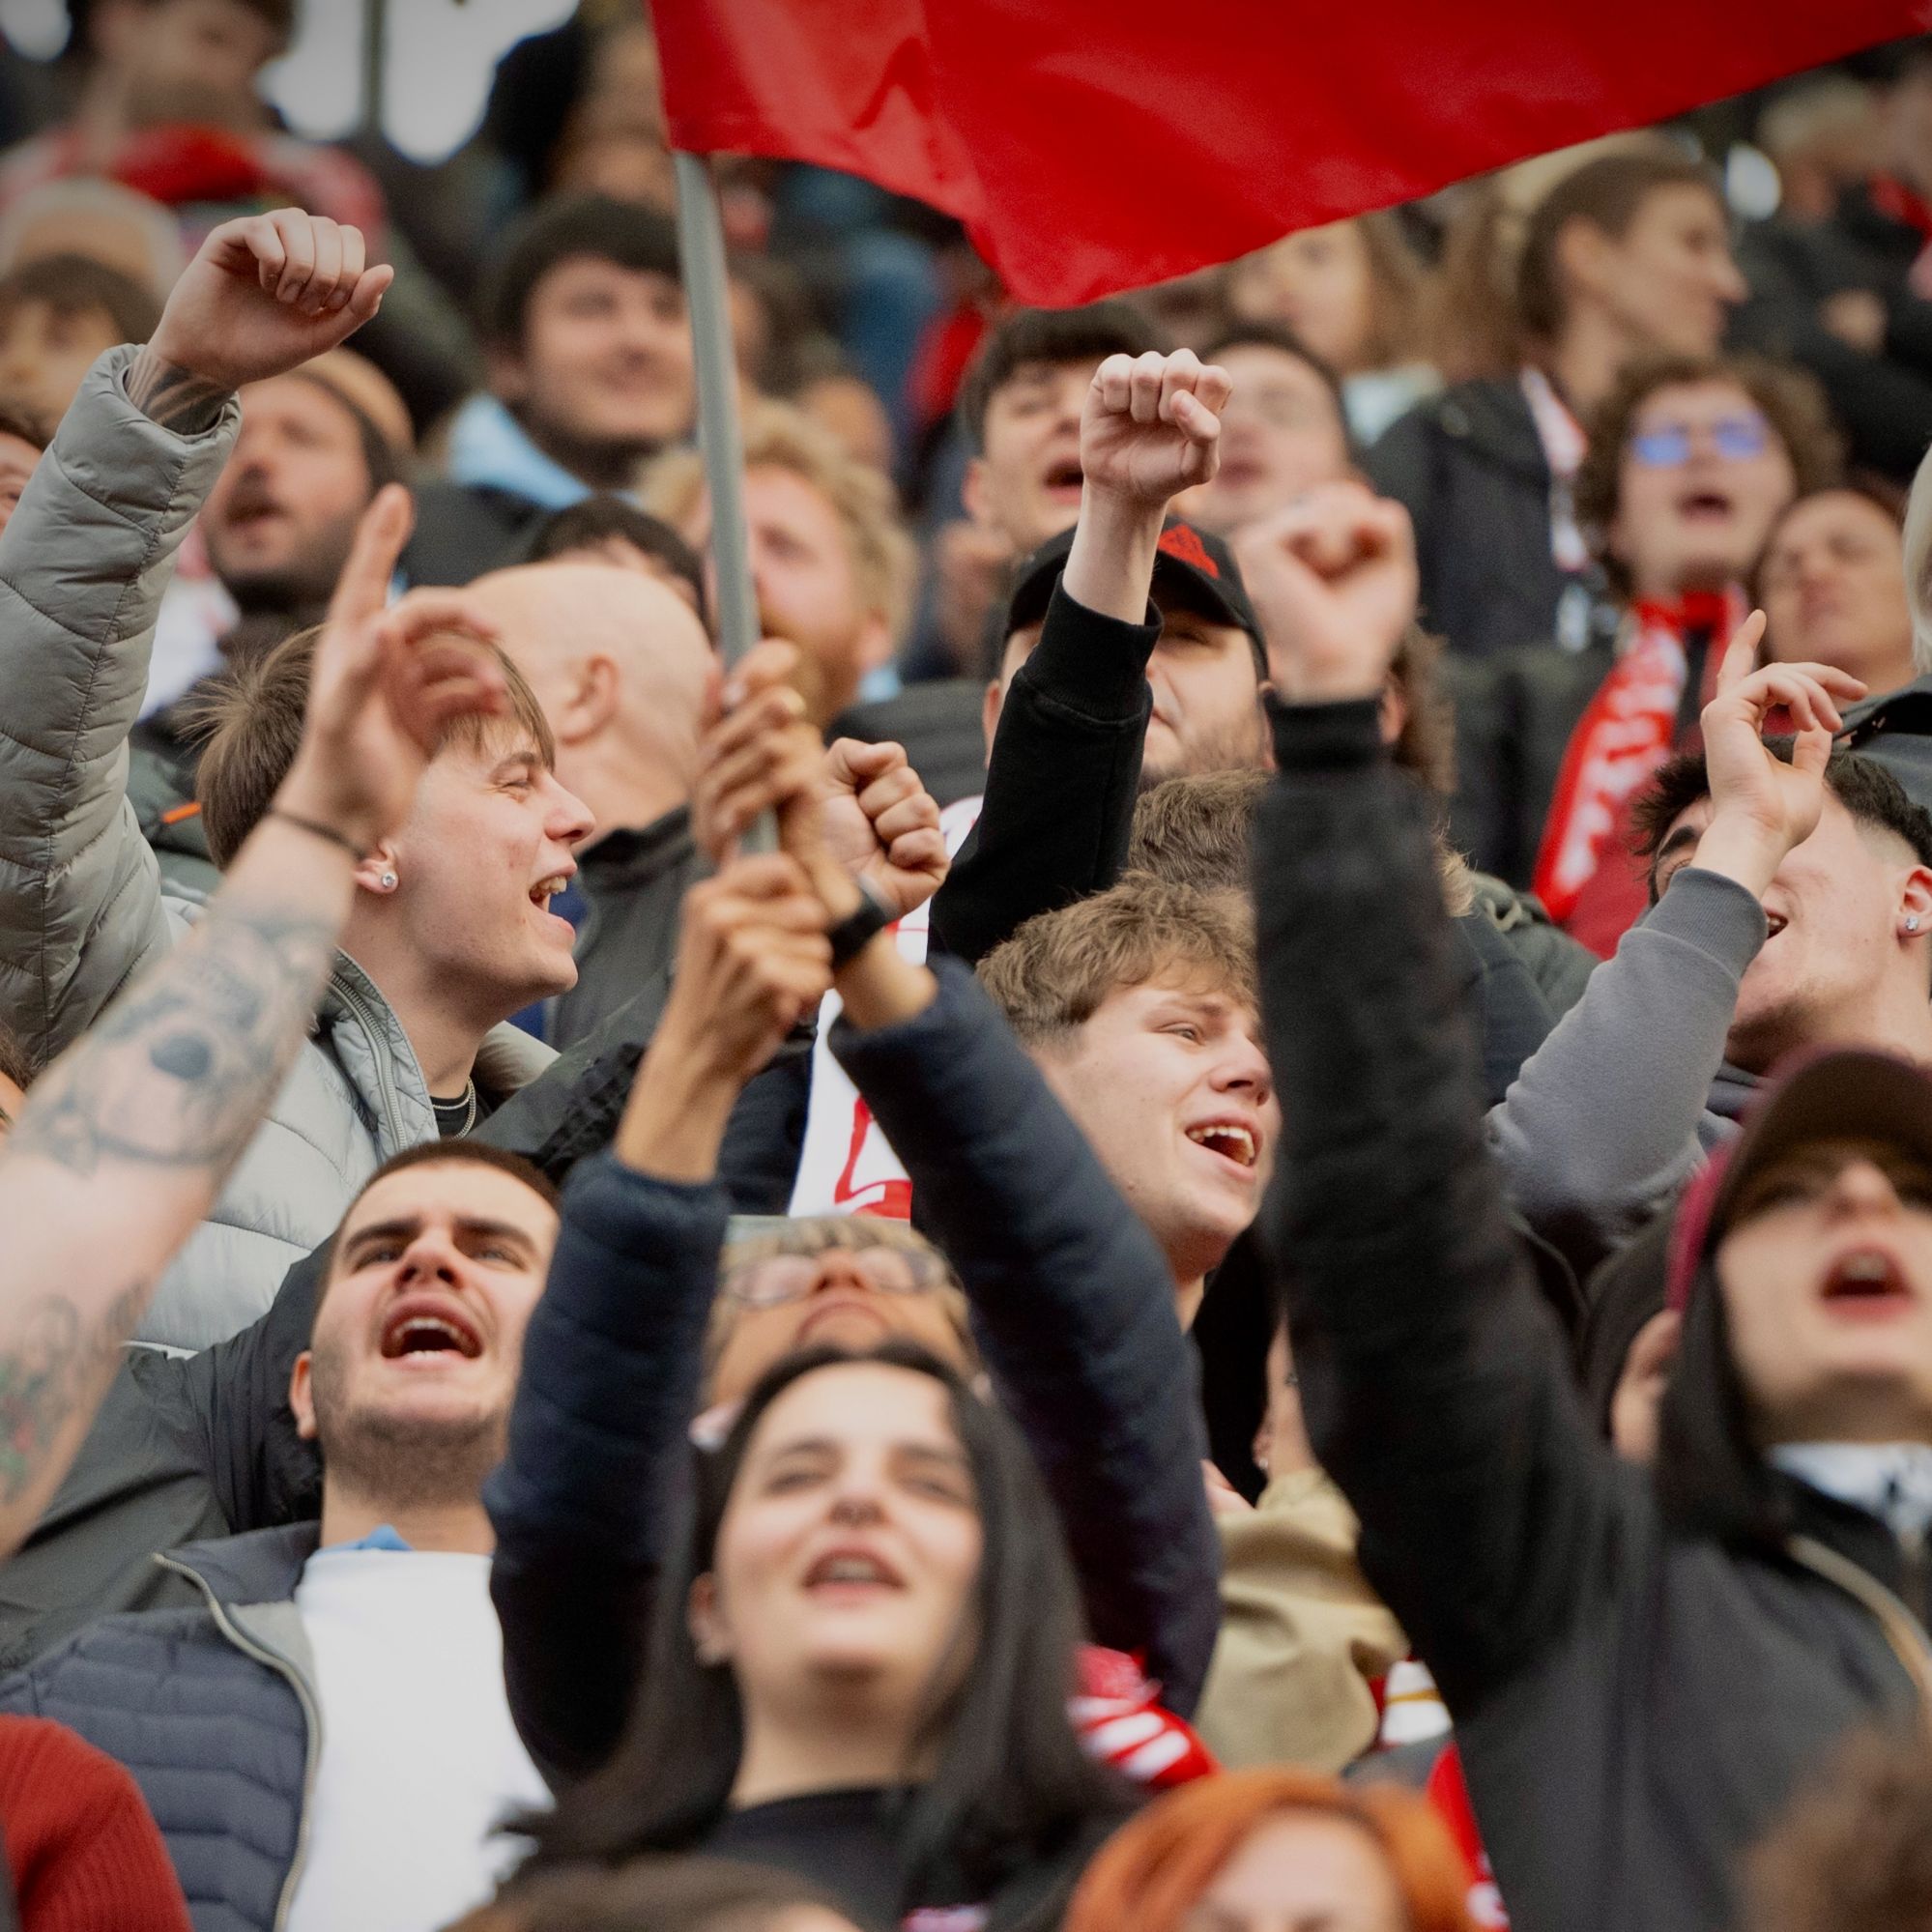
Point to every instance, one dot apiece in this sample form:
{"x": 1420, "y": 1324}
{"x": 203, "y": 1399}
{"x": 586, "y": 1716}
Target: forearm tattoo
{"x": 181, "y": 1070}
{"x": 177, "y": 1075}
{"x": 176, "y": 398}
{"x": 53, "y": 1368}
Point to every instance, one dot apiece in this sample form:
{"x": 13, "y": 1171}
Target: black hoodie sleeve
{"x": 1074, "y": 1308}
{"x": 1061, "y": 782}
{"x": 598, "y": 1450}
{"x": 1434, "y": 1382}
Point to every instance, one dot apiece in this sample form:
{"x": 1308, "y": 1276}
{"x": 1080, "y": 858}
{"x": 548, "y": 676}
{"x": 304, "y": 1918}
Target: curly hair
{"x": 1790, "y": 400}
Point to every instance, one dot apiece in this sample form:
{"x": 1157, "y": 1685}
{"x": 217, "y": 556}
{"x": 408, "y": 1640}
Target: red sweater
{"x": 84, "y": 1853}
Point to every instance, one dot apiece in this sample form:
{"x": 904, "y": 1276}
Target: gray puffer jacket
{"x": 82, "y": 567}
{"x": 213, "y": 1710}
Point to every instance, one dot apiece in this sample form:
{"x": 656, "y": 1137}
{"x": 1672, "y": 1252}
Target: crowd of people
{"x": 1208, "y": 1209}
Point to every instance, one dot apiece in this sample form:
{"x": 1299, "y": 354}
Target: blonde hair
{"x": 884, "y": 562}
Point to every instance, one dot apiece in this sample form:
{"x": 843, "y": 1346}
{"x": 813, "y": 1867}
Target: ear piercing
{"x": 388, "y": 882}
{"x": 1912, "y": 923}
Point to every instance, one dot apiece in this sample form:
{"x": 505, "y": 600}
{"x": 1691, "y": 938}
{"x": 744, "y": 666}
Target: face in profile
{"x": 846, "y": 1558}
{"x": 490, "y": 840}
{"x": 1826, "y": 1270}
{"x": 1836, "y": 908}
{"x": 1302, "y": 1868}
{"x": 1669, "y": 279}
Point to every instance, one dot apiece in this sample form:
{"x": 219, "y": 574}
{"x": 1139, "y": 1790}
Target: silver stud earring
{"x": 1912, "y": 924}
{"x": 389, "y": 881}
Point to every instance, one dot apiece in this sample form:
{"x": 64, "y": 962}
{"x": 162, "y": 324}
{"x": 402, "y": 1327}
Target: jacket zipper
{"x": 379, "y": 1053}
{"x": 1903, "y": 1632}
{"x": 311, "y": 1717}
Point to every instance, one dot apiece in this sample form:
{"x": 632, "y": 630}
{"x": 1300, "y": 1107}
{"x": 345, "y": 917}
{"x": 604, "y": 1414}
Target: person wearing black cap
{"x": 1641, "y": 1667}
{"x": 1110, "y": 666}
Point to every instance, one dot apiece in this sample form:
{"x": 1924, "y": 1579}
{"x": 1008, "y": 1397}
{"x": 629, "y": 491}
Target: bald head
{"x": 620, "y": 663}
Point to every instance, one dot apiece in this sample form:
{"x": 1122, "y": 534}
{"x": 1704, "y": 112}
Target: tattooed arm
{"x": 124, "y": 1142}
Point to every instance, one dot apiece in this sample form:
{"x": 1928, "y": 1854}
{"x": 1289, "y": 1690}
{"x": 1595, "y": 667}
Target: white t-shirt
{"x": 419, "y": 1760}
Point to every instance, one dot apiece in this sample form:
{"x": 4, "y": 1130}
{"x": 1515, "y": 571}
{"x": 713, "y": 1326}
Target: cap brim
{"x": 1839, "y": 1094}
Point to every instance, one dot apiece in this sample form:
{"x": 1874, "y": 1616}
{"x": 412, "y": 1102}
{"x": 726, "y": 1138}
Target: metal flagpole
{"x": 701, "y": 250}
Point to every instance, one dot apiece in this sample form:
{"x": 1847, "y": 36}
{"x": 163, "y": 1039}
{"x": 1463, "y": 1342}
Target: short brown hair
{"x": 1790, "y": 400}
{"x": 1852, "y": 1853}
{"x": 778, "y": 437}
{"x": 1606, "y": 192}
{"x": 251, "y": 722}
{"x": 1193, "y": 830}
{"x": 1052, "y": 975}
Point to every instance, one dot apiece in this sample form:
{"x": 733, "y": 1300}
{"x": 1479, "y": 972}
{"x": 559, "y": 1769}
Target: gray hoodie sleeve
{"x": 82, "y": 567}
{"x": 1603, "y": 1123}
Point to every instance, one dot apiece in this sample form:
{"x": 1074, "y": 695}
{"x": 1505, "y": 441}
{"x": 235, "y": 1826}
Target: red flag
{"x": 1095, "y": 144}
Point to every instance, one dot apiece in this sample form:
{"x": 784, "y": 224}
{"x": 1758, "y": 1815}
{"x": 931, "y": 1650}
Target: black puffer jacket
{"x": 1638, "y": 1688}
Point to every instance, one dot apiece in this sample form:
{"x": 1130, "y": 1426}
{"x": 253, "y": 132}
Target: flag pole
{"x": 701, "y": 250}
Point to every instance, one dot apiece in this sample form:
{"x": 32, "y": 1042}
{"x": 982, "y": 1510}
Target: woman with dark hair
{"x": 1254, "y": 1850}
{"x": 861, "y": 1658}
{"x": 1627, "y": 254}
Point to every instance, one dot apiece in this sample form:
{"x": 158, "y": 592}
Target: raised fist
{"x": 265, "y": 294}
{"x": 1151, "y": 427}
{"x": 1332, "y": 579}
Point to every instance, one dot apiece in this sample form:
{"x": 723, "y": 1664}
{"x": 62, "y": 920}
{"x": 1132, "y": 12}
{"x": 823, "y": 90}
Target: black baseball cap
{"x": 1192, "y": 569}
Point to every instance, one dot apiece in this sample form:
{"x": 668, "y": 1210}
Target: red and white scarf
{"x": 1622, "y": 738}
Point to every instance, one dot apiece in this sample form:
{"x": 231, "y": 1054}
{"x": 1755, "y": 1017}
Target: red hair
{"x": 1150, "y": 1874}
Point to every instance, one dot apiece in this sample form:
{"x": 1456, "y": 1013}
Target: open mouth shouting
{"x": 1062, "y": 480}
{"x": 1868, "y": 1284}
{"x": 545, "y": 891}
{"x": 1235, "y": 1142}
{"x": 851, "y": 1573}
{"x": 433, "y": 1329}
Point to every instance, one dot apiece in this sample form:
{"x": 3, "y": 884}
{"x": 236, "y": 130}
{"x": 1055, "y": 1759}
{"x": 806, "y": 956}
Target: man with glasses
{"x": 1691, "y": 461}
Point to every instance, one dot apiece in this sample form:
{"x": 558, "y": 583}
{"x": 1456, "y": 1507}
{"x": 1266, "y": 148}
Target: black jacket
{"x": 210, "y": 1708}
{"x": 1637, "y": 1695}
{"x": 1071, "y": 1305}
{"x": 184, "y": 1448}
{"x": 1060, "y": 782}
{"x": 1468, "y": 466}
{"x": 635, "y": 882}
{"x": 1895, "y": 730}
{"x": 462, "y": 530}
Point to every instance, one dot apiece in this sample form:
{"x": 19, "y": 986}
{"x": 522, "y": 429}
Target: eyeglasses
{"x": 778, "y": 1279}
{"x": 1735, "y": 437}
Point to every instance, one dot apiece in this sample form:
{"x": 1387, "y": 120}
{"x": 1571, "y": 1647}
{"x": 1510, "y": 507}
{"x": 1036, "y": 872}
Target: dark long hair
{"x": 1010, "y": 1784}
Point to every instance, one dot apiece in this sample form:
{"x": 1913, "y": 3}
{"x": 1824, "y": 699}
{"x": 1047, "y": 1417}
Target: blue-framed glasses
{"x": 1734, "y": 437}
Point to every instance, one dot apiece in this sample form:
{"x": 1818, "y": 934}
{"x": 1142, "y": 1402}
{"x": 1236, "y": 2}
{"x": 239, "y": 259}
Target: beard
{"x": 1235, "y": 747}
{"x": 401, "y": 1462}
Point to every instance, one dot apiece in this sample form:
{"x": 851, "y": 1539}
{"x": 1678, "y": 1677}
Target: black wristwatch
{"x": 854, "y": 931}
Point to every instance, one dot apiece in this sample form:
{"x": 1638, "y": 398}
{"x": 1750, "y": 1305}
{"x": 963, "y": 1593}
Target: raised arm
{"x": 613, "y": 1359}
{"x": 1066, "y": 757}
{"x": 1073, "y": 1303}
{"x": 1433, "y": 1383}
{"x": 125, "y": 1141}
{"x": 1601, "y": 1126}
{"x": 84, "y": 563}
